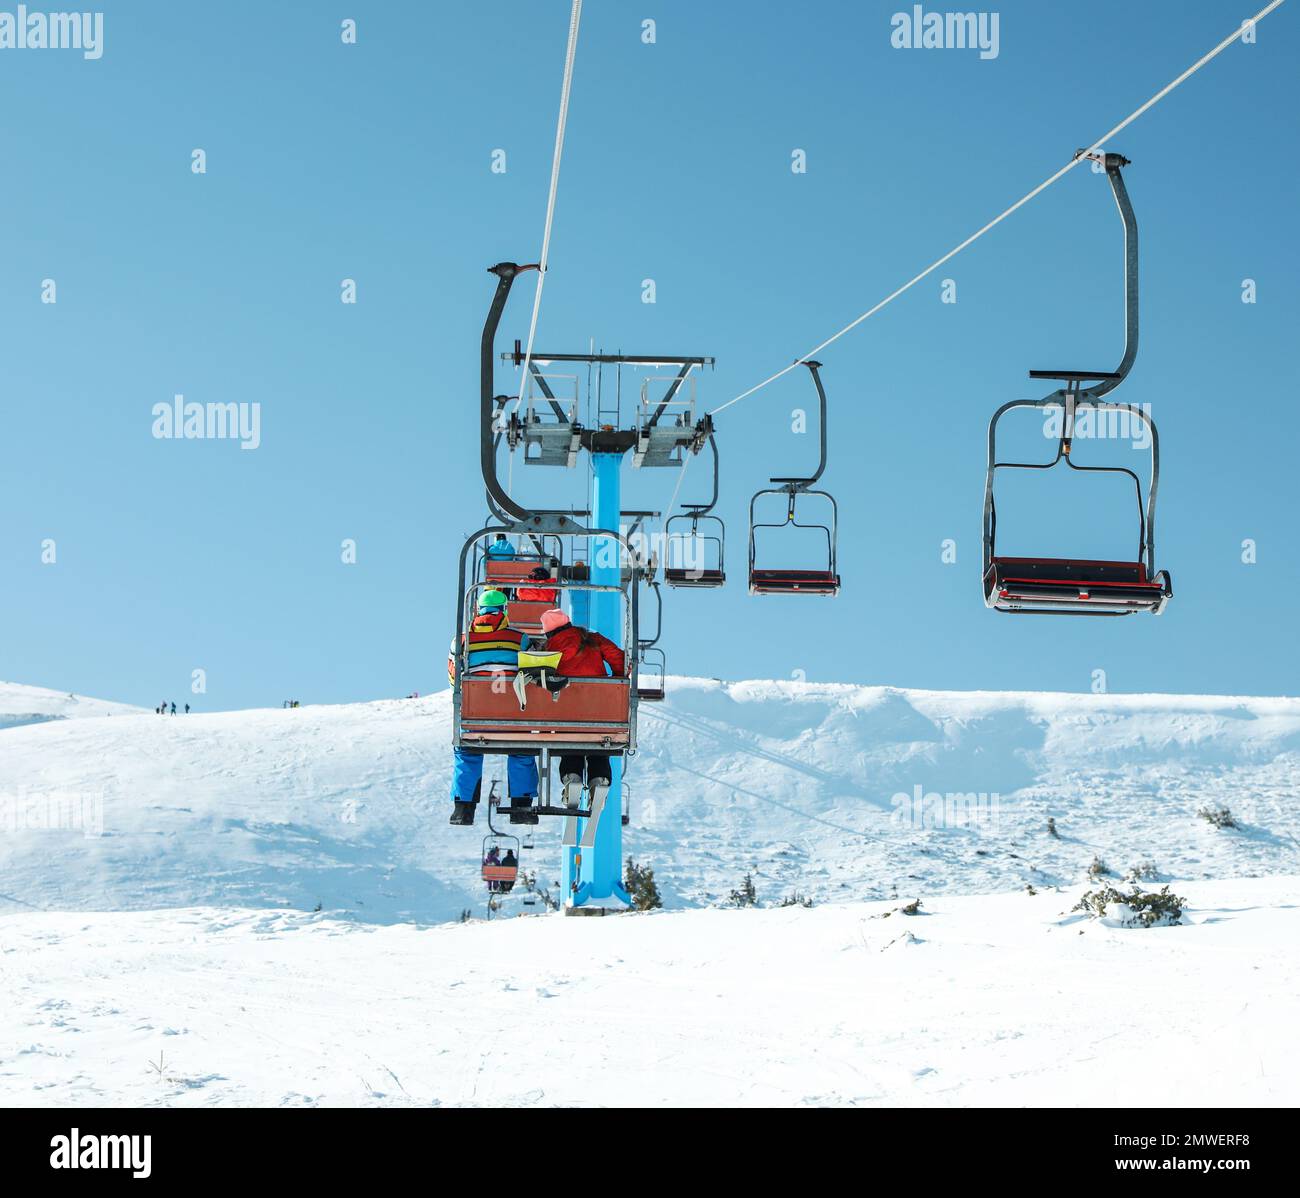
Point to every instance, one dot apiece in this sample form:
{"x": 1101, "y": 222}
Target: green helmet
{"x": 491, "y": 601}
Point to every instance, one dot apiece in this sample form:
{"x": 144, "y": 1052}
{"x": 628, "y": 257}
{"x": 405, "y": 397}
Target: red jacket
{"x": 589, "y": 662}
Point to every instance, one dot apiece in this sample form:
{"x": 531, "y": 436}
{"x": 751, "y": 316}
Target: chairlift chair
{"x": 1071, "y": 586}
{"x": 500, "y": 878}
{"x": 511, "y": 574}
{"x": 696, "y": 546}
{"x": 580, "y": 715}
{"x": 783, "y": 581}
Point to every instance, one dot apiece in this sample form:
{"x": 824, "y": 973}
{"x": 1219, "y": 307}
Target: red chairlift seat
{"x": 781, "y": 582}
{"x": 681, "y": 577}
{"x": 1049, "y": 584}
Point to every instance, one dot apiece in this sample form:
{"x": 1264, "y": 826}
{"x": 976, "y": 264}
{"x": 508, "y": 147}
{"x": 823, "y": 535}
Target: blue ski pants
{"x": 467, "y": 774}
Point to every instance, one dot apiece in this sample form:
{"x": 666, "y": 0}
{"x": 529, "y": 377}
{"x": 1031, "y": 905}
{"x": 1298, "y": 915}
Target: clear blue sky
{"x": 372, "y": 162}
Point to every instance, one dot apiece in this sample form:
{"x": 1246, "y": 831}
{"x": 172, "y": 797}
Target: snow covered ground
{"x": 261, "y": 907}
{"x": 999, "y": 1000}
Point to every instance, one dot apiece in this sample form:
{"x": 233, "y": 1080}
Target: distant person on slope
{"x": 583, "y": 654}
{"x": 492, "y": 650}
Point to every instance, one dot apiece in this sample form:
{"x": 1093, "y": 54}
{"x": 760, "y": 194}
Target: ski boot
{"x": 572, "y": 791}
{"x": 462, "y": 814}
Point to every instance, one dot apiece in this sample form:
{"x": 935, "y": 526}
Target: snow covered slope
{"x": 1004, "y": 999}
{"x": 34, "y": 705}
{"x": 810, "y": 786}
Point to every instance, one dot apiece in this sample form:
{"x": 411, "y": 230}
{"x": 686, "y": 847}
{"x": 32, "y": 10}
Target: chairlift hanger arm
{"x": 1113, "y": 163}
{"x": 696, "y": 510}
{"x": 650, "y": 642}
{"x": 1107, "y": 381}
{"x": 801, "y": 484}
{"x": 555, "y": 520}
{"x": 505, "y": 273}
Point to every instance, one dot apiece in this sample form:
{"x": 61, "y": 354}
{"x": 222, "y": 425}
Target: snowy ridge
{"x": 344, "y": 807}
{"x": 34, "y": 705}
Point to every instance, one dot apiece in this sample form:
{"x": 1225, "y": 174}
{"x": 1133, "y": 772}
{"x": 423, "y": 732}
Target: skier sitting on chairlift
{"x": 537, "y": 594}
{"x": 583, "y": 653}
{"x": 493, "y": 650}
{"x": 493, "y": 858}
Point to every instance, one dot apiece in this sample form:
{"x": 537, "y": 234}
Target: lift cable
{"x": 1096, "y": 147}
{"x": 571, "y": 53}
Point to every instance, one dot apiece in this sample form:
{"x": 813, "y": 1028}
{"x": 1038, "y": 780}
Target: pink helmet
{"x": 553, "y": 619}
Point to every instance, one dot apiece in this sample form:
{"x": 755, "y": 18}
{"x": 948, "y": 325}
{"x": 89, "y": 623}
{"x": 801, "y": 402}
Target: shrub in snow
{"x": 912, "y": 908}
{"x": 1098, "y": 868}
{"x": 795, "y": 900}
{"x": 1218, "y": 815}
{"x": 640, "y": 884}
{"x": 1144, "y": 871}
{"x": 1051, "y": 828}
{"x": 1137, "y": 910}
{"x": 746, "y": 896}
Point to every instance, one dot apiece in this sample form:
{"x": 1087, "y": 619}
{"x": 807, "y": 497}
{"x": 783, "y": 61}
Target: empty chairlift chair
{"x": 695, "y": 550}
{"x": 769, "y": 580}
{"x": 1072, "y": 586}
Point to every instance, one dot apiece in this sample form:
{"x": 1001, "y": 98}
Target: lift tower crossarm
{"x": 516, "y": 356}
